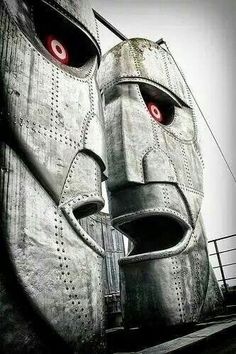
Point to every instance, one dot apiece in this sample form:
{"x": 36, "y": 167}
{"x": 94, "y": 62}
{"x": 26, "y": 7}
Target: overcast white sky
{"x": 201, "y": 35}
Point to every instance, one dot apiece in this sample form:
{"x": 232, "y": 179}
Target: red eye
{"x": 57, "y": 49}
{"x": 155, "y": 112}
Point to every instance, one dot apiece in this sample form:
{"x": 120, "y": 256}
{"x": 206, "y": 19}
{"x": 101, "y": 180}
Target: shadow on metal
{"x": 213, "y": 336}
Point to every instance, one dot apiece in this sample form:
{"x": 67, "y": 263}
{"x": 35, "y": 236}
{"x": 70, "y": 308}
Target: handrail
{"x": 222, "y": 238}
{"x": 225, "y": 251}
{"x": 225, "y": 265}
{"x": 231, "y": 278}
{"x": 221, "y": 266}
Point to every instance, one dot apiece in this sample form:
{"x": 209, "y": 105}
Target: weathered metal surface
{"x": 80, "y": 12}
{"x": 52, "y": 164}
{"x": 99, "y": 225}
{"x": 155, "y": 185}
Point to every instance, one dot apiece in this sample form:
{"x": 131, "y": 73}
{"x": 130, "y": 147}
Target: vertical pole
{"x": 220, "y": 264}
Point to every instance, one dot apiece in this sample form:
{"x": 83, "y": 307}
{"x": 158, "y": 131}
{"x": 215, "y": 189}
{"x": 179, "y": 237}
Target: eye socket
{"x": 63, "y": 39}
{"x": 57, "y": 49}
{"x": 159, "y": 104}
{"x": 162, "y": 112}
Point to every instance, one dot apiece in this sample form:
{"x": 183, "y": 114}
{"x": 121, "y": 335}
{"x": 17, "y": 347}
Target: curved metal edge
{"x": 78, "y": 24}
{"x": 68, "y": 208}
{"x": 173, "y": 251}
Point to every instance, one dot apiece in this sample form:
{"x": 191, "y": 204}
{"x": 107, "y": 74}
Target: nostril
{"x": 81, "y": 211}
{"x": 87, "y": 209}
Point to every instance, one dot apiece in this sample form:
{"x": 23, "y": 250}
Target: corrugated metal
{"x": 99, "y": 226}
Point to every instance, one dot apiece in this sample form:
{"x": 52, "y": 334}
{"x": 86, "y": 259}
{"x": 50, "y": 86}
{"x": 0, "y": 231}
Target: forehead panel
{"x": 141, "y": 60}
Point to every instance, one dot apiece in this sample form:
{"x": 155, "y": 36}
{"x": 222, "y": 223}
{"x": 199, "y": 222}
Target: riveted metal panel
{"x": 155, "y": 186}
{"x": 80, "y": 11}
{"x": 146, "y": 61}
{"x": 166, "y": 289}
{"x": 50, "y": 177}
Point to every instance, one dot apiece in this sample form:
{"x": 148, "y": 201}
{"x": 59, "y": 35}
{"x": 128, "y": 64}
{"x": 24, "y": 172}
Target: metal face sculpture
{"x": 155, "y": 185}
{"x": 52, "y": 164}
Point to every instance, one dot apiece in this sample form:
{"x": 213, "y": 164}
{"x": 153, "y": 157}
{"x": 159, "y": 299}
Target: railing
{"x": 221, "y": 265}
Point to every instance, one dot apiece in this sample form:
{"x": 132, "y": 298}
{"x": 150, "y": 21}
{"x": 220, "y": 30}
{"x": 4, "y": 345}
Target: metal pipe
{"x": 107, "y": 24}
{"x": 114, "y": 30}
{"x": 160, "y": 41}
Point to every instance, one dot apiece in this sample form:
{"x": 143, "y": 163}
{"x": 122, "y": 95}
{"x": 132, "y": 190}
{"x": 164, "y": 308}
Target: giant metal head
{"x": 155, "y": 184}
{"x": 52, "y": 164}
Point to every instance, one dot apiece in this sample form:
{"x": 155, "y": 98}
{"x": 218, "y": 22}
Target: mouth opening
{"x": 154, "y": 233}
